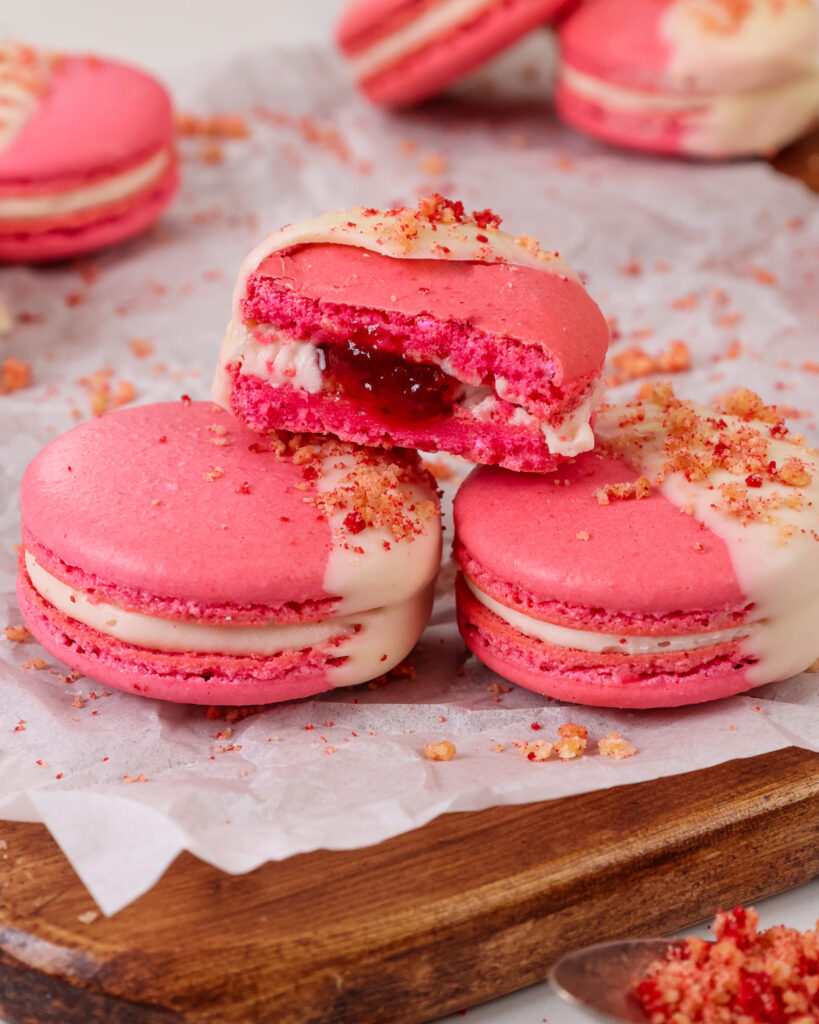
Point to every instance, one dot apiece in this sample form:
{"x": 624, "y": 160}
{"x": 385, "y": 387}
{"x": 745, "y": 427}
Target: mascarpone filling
{"x": 435, "y": 20}
{"x": 605, "y": 643}
{"x": 273, "y": 356}
{"x": 717, "y": 123}
{"x": 372, "y": 641}
{"x": 75, "y": 200}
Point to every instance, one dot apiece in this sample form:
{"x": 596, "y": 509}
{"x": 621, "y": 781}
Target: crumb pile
{"x": 743, "y": 977}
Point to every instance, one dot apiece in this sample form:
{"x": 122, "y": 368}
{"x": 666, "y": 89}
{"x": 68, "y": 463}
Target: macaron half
{"x": 425, "y": 328}
{"x": 693, "y": 77}
{"x": 87, "y": 153}
{"x": 404, "y": 51}
{"x": 677, "y": 563}
{"x": 170, "y": 552}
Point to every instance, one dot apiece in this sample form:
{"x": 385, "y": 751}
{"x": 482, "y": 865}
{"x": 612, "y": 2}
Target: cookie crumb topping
{"x": 736, "y": 437}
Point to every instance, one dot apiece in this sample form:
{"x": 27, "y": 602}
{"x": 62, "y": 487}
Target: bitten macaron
{"x": 709, "y": 78}
{"x": 424, "y": 328}
{"x": 171, "y": 553}
{"x": 404, "y": 52}
{"x": 87, "y": 153}
{"x": 677, "y": 563}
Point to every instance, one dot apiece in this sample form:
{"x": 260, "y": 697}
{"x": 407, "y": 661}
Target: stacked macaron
{"x": 87, "y": 153}
{"x": 709, "y": 78}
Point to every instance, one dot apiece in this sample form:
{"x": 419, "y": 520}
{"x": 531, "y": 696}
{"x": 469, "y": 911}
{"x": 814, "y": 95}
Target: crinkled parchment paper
{"x": 721, "y": 257}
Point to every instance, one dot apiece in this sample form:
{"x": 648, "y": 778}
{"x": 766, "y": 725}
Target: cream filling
{"x": 75, "y": 200}
{"x": 776, "y": 562}
{"x": 756, "y": 121}
{"x": 373, "y": 641}
{"x": 435, "y": 20}
{"x": 281, "y": 361}
{"x": 605, "y": 643}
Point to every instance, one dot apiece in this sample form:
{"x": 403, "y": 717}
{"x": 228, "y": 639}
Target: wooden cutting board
{"x": 469, "y": 907}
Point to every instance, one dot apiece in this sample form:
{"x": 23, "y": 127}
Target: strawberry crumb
{"x": 443, "y": 751}
{"x": 17, "y": 634}
{"x": 613, "y": 745}
{"x": 743, "y": 977}
{"x": 14, "y": 375}
{"x": 536, "y": 750}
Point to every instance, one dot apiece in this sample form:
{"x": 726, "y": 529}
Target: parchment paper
{"x": 723, "y": 257}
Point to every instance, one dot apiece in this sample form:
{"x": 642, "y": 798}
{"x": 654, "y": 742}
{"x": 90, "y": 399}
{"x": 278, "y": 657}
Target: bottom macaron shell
{"x": 657, "y": 131}
{"x": 60, "y": 242}
{"x": 599, "y": 680}
{"x": 263, "y": 407}
{"x": 182, "y": 678}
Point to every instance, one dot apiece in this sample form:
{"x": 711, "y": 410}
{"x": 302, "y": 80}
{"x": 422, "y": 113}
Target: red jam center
{"x": 393, "y": 388}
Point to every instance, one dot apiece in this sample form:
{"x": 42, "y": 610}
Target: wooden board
{"x": 469, "y": 907}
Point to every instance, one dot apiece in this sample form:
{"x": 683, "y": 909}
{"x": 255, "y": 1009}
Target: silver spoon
{"x": 598, "y": 978}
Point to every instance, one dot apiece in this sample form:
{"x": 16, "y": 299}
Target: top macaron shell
{"x": 94, "y": 117}
{"x": 138, "y": 504}
{"x": 405, "y": 52}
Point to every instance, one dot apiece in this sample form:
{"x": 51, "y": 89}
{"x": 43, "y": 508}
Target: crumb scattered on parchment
{"x": 443, "y": 751}
{"x": 14, "y": 375}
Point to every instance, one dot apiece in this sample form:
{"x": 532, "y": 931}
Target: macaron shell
{"x": 96, "y": 116}
{"x": 264, "y": 407}
{"x": 431, "y": 68}
{"x": 114, "y": 499}
{"x": 643, "y": 557}
{"x": 615, "y": 680}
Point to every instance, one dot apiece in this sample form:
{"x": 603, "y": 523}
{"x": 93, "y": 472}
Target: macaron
{"x": 171, "y": 553}
{"x": 677, "y": 563}
{"x": 708, "y": 78}
{"x": 424, "y": 328}
{"x": 87, "y": 153}
{"x": 401, "y": 53}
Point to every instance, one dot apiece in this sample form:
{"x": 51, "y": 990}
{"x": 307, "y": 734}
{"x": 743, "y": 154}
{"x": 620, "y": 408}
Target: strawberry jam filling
{"x": 391, "y": 387}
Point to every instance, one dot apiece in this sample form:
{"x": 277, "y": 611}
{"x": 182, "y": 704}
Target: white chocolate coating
{"x": 431, "y": 23}
{"x": 777, "y": 571}
{"x": 24, "y": 74}
{"x": 758, "y": 121}
{"x": 402, "y": 235}
{"x": 604, "y": 643}
{"x": 728, "y": 48}
{"x": 85, "y": 197}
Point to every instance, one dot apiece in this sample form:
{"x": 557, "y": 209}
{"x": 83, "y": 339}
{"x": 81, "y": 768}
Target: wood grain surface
{"x": 469, "y": 907}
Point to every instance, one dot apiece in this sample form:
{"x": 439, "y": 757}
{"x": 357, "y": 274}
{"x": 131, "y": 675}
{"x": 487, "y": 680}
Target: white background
{"x": 163, "y": 35}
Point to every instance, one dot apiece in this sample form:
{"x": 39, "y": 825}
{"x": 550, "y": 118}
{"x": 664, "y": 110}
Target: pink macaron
{"x": 677, "y": 563}
{"x": 404, "y": 51}
{"x": 170, "y": 552}
{"x": 423, "y": 328}
{"x": 87, "y": 153}
{"x": 708, "y": 78}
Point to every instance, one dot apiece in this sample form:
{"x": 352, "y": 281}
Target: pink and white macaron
{"x": 677, "y": 563}
{"x": 87, "y": 153}
{"x": 710, "y": 78}
{"x": 424, "y": 328}
{"x": 404, "y": 51}
{"x": 170, "y": 552}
